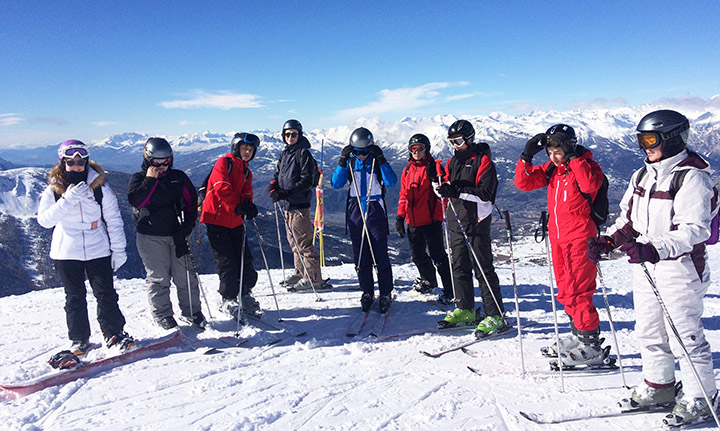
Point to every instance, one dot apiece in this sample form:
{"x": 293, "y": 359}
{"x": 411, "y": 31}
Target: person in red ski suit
{"x": 422, "y": 209}
{"x": 570, "y": 226}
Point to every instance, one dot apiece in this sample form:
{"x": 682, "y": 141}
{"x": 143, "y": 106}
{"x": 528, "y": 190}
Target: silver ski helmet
{"x": 361, "y": 138}
{"x": 244, "y": 138}
{"x": 665, "y": 127}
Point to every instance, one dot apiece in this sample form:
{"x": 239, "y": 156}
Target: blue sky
{"x": 87, "y": 70}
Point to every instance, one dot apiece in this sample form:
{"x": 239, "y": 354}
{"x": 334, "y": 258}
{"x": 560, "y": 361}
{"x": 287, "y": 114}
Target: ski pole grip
{"x": 506, "y": 216}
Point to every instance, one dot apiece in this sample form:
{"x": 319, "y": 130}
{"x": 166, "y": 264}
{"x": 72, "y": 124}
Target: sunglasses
{"x": 160, "y": 162}
{"x": 361, "y": 151}
{"x": 457, "y": 141}
{"x": 291, "y": 134}
{"x": 71, "y": 162}
{"x": 417, "y": 149}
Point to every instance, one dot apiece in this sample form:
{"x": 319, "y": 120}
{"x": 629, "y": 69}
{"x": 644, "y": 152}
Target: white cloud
{"x": 221, "y": 100}
{"x": 104, "y": 123}
{"x": 399, "y": 100}
{"x": 9, "y": 119}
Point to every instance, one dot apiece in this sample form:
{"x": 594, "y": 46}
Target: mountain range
{"x": 608, "y": 133}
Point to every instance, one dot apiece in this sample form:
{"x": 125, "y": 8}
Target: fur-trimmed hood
{"x": 59, "y": 183}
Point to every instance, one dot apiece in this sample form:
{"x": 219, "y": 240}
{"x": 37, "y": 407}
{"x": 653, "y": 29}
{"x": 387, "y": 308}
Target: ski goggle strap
{"x": 73, "y": 150}
{"x": 248, "y": 138}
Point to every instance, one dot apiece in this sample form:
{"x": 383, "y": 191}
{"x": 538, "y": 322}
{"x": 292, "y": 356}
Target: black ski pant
{"x": 227, "y": 247}
{"x": 462, "y": 270}
{"x": 429, "y": 238}
{"x": 100, "y": 275}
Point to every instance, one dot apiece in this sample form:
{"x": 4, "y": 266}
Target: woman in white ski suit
{"x": 677, "y": 229}
{"x": 88, "y": 239}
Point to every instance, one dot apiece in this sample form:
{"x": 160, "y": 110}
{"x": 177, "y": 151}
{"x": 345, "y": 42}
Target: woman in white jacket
{"x": 88, "y": 239}
{"x": 665, "y": 226}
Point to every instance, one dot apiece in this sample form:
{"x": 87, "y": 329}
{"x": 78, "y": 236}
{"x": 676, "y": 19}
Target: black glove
{"x": 377, "y": 154}
{"x": 640, "y": 252}
{"x": 400, "y": 226}
{"x": 569, "y": 150}
{"x": 181, "y": 245}
{"x": 597, "y": 247}
{"x": 432, "y": 171}
{"x": 447, "y": 190}
{"x": 344, "y": 155}
{"x": 533, "y": 146}
{"x": 278, "y": 194}
{"x": 272, "y": 186}
{"x": 248, "y": 208}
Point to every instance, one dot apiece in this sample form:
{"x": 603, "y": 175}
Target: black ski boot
{"x": 366, "y": 301}
{"x": 385, "y": 302}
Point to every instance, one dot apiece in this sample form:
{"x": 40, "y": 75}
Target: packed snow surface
{"x": 325, "y": 379}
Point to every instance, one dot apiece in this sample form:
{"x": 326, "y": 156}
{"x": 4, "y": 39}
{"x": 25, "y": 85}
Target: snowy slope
{"x": 327, "y": 380}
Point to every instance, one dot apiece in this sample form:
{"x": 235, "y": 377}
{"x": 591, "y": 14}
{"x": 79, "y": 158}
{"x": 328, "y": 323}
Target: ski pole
{"x": 202, "y": 289}
{"x": 612, "y": 325}
{"x": 508, "y": 230}
{"x": 267, "y": 268}
{"x": 543, "y": 222}
{"x": 448, "y": 249}
{"x": 277, "y": 224}
{"x": 297, "y": 250}
{"x": 242, "y": 276}
{"x": 365, "y": 232}
{"x": 679, "y": 340}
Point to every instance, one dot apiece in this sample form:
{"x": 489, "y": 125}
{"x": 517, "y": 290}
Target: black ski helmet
{"x": 560, "y": 134}
{"x": 419, "y": 139}
{"x": 361, "y": 138}
{"x": 670, "y": 128}
{"x": 292, "y": 124}
{"x": 244, "y": 138}
{"x": 157, "y": 148}
{"x": 463, "y": 128}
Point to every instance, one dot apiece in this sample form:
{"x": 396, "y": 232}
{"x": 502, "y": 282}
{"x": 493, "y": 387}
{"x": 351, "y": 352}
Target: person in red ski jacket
{"x": 422, "y": 209}
{"x": 572, "y": 172}
{"x": 228, "y": 201}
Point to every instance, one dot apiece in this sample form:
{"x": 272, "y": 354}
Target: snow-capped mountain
{"x": 609, "y": 133}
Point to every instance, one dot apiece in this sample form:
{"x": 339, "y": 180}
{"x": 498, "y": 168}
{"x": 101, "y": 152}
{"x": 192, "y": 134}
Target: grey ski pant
{"x": 162, "y": 267}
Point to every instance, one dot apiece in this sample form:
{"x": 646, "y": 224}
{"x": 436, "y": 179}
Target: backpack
{"x": 202, "y": 191}
{"x": 675, "y": 184}
{"x": 600, "y": 207}
{"x": 316, "y": 170}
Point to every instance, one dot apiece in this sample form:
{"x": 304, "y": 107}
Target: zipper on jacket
{"x": 557, "y": 225}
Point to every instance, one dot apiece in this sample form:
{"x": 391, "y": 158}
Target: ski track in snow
{"x": 326, "y": 380}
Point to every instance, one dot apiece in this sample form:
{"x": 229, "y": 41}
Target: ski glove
{"x": 277, "y": 194}
{"x": 432, "y": 171}
{"x": 533, "y": 146}
{"x": 378, "y": 154}
{"x": 569, "y": 150}
{"x": 447, "y": 190}
{"x": 77, "y": 192}
{"x": 640, "y": 252}
{"x": 248, "y": 208}
{"x": 597, "y": 247}
{"x": 344, "y": 155}
{"x": 400, "y": 226}
{"x": 117, "y": 259}
{"x": 181, "y": 244}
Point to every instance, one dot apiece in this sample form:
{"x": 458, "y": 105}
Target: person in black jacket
{"x": 471, "y": 190}
{"x": 293, "y": 183}
{"x": 165, "y": 208}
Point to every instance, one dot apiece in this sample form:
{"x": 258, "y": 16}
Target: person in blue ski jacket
{"x": 363, "y": 165}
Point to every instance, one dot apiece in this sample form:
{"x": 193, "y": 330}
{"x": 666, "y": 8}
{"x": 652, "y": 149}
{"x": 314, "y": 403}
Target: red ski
{"x": 86, "y": 369}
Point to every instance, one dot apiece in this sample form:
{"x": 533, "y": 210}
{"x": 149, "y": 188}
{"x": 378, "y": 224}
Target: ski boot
{"x": 121, "y": 341}
{"x": 250, "y": 306}
{"x": 299, "y": 285}
{"x": 80, "y": 347}
{"x": 197, "y": 320}
{"x": 167, "y": 322}
{"x": 567, "y": 342}
{"x": 422, "y": 286}
{"x": 456, "y": 318}
{"x": 586, "y": 356}
{"x": 291, "y": 280}
{"x": 690, "y": 411}
{"x": 385, "y": 302}
{"x": 366, "y": 301}
{"x": 490, "y": 325}
{"x": 64, "y": 360}
{"x": 231, "y": 308}
{"x": 647, "y": 397}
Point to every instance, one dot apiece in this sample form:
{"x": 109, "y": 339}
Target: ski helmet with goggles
{"x": 419, "y": 139}
{"x": 292, "y": 124}
{"x": 361, "y": 138}
{"x": 560, "y": 134}
{"x": 244, "y": 138}
{"x": 71, "y": 148}
{"x": 463, "y": 129}
{"x": 668, "y": 128}
{"x": 157, "y": 149}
